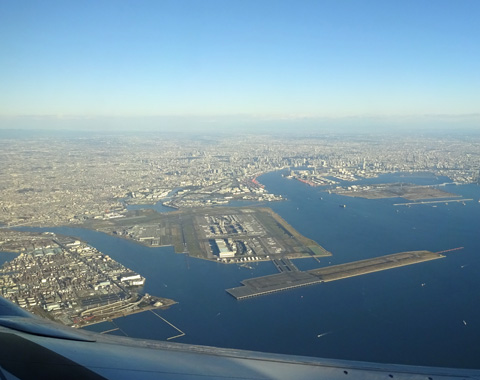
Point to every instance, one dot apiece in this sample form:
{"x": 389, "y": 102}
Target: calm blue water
{"x": 7, "y": 256}
{"x": 386, "y": 316}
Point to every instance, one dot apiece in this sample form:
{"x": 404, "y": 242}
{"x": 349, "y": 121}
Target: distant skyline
{"x": 193, "y": 65}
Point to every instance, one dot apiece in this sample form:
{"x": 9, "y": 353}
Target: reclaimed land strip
{"x": 273, "y": 283}
{"x": 394, "y": 190}
{"x": 428, "y": 202}
{"x": 289, "y": 280}
{"x": 357, "y": 268}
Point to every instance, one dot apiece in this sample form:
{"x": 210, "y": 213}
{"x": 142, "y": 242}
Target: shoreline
{"x": 165, "y": 306}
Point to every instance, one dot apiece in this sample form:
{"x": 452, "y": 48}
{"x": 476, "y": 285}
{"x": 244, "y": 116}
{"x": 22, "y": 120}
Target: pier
{"x": 293, "y": 279}
{"x": 181, "y": 333}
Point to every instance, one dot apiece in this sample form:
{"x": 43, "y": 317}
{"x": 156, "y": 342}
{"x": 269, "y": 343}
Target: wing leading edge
{"x": 32, "y": 348}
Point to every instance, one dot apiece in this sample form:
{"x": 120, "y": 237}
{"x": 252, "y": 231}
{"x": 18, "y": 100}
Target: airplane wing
{"x": 34, "y": 348}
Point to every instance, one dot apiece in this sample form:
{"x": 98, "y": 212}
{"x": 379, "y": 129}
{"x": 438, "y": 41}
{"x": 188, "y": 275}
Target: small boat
{"x": 342, "y": 206}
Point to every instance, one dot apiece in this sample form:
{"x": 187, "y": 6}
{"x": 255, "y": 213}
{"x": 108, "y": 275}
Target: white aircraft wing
{"x": 33, "y": 348}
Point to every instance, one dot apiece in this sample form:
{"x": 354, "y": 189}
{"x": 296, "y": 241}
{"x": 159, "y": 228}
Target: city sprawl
{"x": 59, "y": 181}
{"x": 90, "y": 181}
{"x": 69, "y": 281}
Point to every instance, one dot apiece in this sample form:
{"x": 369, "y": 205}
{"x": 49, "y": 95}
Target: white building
{"x": 223, "y": 249}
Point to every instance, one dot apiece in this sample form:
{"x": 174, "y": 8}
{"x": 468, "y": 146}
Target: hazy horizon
{"x": 202, "y": 66}
{"x": 246, "y": 123}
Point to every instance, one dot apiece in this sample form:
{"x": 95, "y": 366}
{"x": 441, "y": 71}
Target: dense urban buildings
{"x": 67, "y": 280}
{"x": 60, "y": 180}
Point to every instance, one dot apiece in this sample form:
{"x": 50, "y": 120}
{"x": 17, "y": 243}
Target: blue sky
{"x": 153, "y": 63}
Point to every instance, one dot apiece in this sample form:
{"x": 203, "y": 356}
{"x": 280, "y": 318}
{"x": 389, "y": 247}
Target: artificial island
{"x": 242, "y": 235}
{"x": 70, "y": 281}
{"x": 294, "y": 278}
{"x": 67, "y": 280}
{"x": 225, "y": 234}
{"x": 394, "y": 190}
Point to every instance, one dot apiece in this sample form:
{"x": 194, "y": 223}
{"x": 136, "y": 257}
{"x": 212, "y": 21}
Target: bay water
{"x": 423, "y": 314}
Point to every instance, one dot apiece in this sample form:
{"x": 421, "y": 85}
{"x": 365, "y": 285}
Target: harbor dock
{"x": 295, "y": 278}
